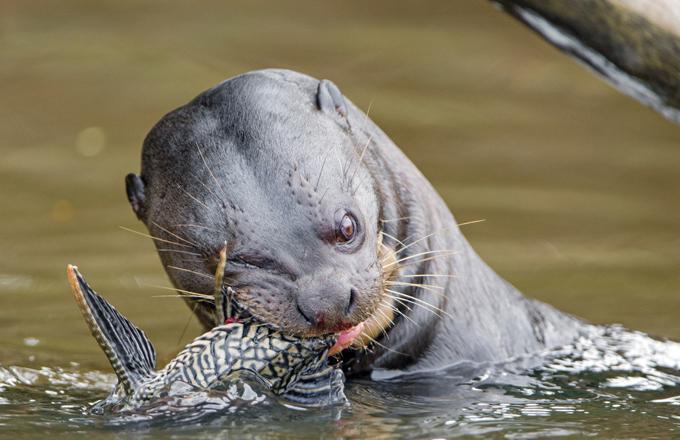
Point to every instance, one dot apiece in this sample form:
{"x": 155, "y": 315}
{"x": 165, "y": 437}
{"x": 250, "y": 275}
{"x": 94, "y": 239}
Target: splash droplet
{"x": 31, "y": 342}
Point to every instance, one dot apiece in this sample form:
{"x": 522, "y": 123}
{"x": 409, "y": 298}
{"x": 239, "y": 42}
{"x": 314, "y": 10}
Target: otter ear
{"x": 330, "y": 100}
{"x": 134, "y": 186}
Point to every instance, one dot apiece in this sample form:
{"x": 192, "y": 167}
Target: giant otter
{"x": 328, "y": 226}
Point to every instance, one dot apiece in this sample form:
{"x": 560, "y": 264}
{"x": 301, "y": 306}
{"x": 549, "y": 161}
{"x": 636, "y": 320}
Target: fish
{"x": 295, "y": 369}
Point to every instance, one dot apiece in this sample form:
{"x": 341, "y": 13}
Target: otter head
{"x": 269, "y": 163}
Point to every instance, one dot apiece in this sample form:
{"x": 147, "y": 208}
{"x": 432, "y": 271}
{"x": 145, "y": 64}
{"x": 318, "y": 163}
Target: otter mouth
{"x": 343, "y": 339}
{"x": 233, "y": 312}
{"x": 229, "y": 310}
{"x": 346, "y": 338}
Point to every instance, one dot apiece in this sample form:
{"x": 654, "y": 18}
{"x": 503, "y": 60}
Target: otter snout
{"x": 328, "y": 306}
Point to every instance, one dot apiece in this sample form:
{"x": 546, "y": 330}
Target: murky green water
{"x": 579, "y": 187}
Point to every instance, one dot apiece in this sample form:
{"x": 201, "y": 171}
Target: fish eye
{"x": 346, "y": 228}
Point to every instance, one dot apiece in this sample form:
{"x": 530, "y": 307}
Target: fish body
{"x": 296, "y": 369}
{"x": 278, "y": 362}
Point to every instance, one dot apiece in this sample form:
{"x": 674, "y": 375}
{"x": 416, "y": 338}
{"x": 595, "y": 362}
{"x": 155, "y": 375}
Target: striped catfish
{"x": 296, "y": 369}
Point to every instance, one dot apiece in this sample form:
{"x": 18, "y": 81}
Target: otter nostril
{"x": 310, "y": 320}
{"x": 352, "y": 300}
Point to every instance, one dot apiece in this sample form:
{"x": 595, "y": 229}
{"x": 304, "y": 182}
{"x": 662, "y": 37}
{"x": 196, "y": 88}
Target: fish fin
{"x": 128, "y": 349}
{"x": 324, "y": 387}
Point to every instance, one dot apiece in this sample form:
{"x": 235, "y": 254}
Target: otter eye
{"x": 346, "y": 228}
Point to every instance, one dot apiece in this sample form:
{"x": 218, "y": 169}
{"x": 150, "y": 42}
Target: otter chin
{"x": 329, "y": 227}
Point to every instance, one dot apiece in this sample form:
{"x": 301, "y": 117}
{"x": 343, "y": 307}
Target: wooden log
{"x": 634, "y": 44}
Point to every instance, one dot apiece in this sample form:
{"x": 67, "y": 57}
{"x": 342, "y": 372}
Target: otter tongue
{"x": 345, "y": 339}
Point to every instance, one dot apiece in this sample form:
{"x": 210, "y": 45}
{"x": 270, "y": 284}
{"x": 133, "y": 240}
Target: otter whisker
{"x": 394, "y": 219}
{"x": 383, "y": 346}
{"x": 402, "y": 249}
{"x": 368, "y": 110}
{"x": 392, "y": 237}
{"x": 405, "y": 304}
{"x": 427, "y": 259}
{"x": 420, "y": 254}
{"x": 438, "y": 293}
{"x": 207, "y": 187}
{"x": 361, "y": 182}
{"x": 200, "y": 152}
{"x": 388, "y": 320}
{"x": 342, "y": 168}
{"x": 323, "y": 165}
{"x": 403, "y": 283}
{"x": 197, "y": 226}
{"x": 180, "y": 252}
{"x": 196, "y": 260}
{"x": 431, "y": 275}
{"x": 192, "y": 197}
{"x": 396, "y": 310}
{"x": 472, "y": 222}
{"x": 318, "y": 179}
{"x": 435, "y": 251}
{"x": 418, "y": 301}
{"x": 152, "y": 237}
{"x": 433, "y": 292}
{"x": 175, "y": 235}
{"x": 188, "y": 292}
{"x": 324, "y": 195}
{"x": 204, "y": 275}
{"x": 361, "y": 158}
{"x": 197, "y": 298}
{"x": 416, "y": 241}
{"x": 368, "y": 121}
{"x": 438, "y": 231}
